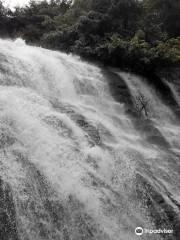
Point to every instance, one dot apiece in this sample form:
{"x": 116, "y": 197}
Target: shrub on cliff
{"x": 169, "y": 51}
{"x": 141, "y": 35}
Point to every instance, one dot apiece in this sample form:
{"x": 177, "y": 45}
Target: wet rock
{"x": 152, "y": 134}
{"x": 119, "y": 89}
{"x": 89, "y": 129}
{"x": 92, "y": 132}
{"x": 8, "y": 228}
{"x": 6, "y": 138}
{"x": 164, "y": 91}
{"x": 160, "y": 211}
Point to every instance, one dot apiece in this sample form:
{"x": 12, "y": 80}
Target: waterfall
{"x": 73, "y": 165}
{"x": 162, "y": 116}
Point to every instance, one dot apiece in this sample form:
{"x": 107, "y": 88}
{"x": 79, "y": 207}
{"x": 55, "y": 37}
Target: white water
{"x": 162, "y": 116}
{"x": 69, "y": 152}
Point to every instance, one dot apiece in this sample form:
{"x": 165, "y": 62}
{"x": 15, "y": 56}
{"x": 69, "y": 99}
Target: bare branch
{"x": 141, "y": 104}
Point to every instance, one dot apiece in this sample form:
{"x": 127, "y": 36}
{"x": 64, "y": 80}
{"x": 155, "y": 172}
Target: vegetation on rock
{"x": 138, "y": 35}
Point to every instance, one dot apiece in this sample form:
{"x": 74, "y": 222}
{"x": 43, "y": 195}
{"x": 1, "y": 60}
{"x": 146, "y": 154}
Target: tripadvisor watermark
{"x": 140, "y": 231}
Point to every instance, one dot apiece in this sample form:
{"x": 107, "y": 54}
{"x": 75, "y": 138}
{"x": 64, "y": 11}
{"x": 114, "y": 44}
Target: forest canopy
{"x": 139, "y": 35}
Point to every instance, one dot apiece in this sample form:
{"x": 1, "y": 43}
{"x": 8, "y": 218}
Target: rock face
{"x": 8, "y": 229}
{"x": 164, "y": 210}
{"x": 76, "y": 160}
{"x": 164, "y": 215}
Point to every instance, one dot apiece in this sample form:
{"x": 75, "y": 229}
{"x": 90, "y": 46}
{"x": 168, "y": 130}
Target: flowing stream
{"x": 73, "y": 164}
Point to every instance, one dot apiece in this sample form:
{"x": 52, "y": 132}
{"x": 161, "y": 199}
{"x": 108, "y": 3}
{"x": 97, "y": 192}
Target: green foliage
{"x": 170, "y": 50}
{"x": 5, "y": 27}
{"x": 39, "y": 18}
{"x": 141, "y": 35}
{"x": 163, "y": 14}
{"x": 115, "y": 42}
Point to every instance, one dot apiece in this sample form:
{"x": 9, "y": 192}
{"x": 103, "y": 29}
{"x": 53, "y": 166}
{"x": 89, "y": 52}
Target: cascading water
{"x": 72, "y": 164}
{"x": 162, "y": 116}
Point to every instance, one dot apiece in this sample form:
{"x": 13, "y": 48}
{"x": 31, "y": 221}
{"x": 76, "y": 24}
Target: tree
{"x": 162, "y": 16}
{"x": 142, "y": 104}
{"x": 140, "y": 35}
{"x": 5, "y": 27}
{"x": 124, "y": 16}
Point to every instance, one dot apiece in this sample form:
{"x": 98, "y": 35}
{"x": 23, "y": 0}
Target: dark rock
{"x": 8, "y": 228}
